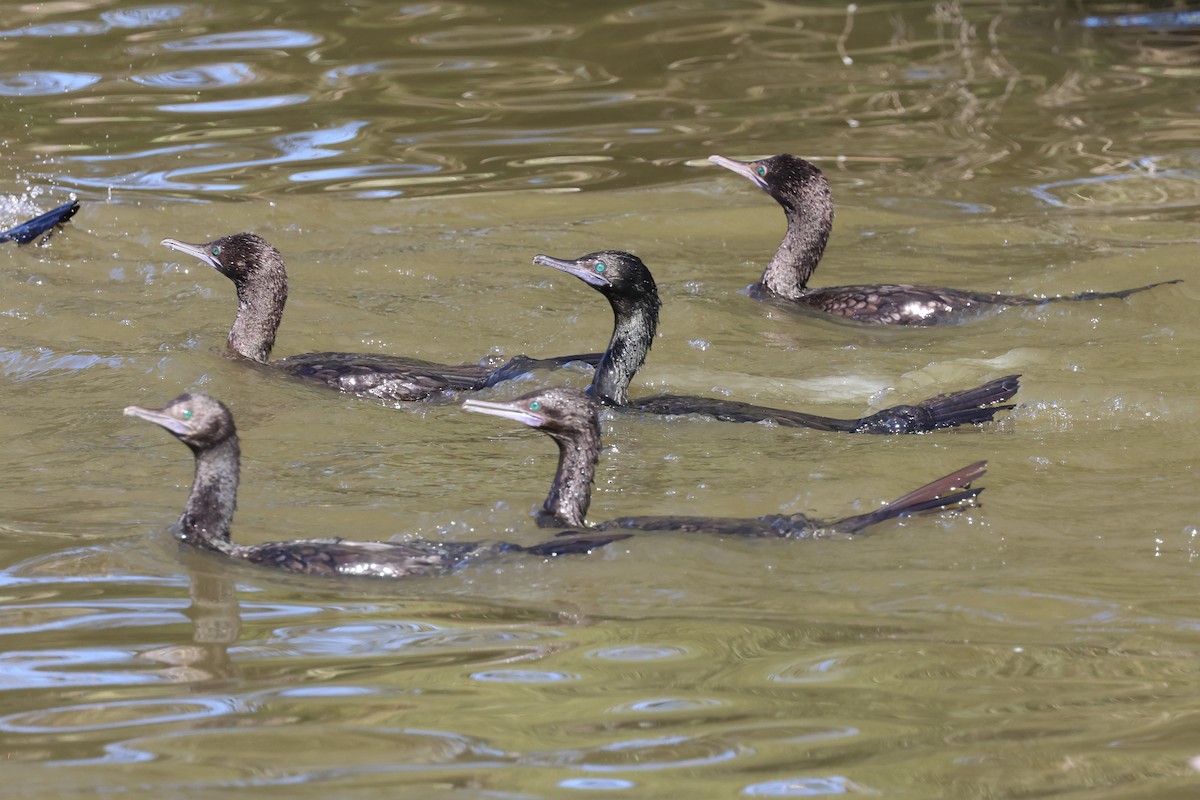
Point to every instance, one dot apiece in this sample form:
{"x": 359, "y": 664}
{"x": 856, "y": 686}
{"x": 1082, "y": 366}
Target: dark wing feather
{"x": 42, "y": 224}
{"x": 385, "y": 377}
{"x": 898, "y": 304}
{"x": 334, "y": 556}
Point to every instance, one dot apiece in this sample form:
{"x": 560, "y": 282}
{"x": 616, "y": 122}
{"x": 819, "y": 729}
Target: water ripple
{"x": 473, "y": 36}
{"x": 228, "y": 106}
{"x": 117, "y": 714}
{"x": 642, "y": 652}
{"x": 290, "y": 148}
{"x": 597, "y": 784}
{"x": 41, "y": 363}
{"x": 248, "y": 40}
{"x": 126, "y": 18}
{"x": 207, "y": 76}
{"x": 805, "y": 787}
{"x": 23, "y": 670}
{"x": 65, "y": 616}
{"x": 37, "y": 84}
{"x": 523, "y": 676}
{"x": 143, "y": 17}
{"x": 56, "y": 29}
{"x": 663, "y": 752}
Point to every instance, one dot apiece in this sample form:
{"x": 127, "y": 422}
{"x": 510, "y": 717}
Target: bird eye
{"x": 600, "y": 266}
{"x": 535, "y": 406}
{"x": 186, "y": 415}
{"x": 216, "y": 251}
{"x": 762, "y": 171}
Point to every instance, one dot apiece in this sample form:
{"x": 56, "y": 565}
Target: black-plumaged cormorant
{"x": 627, "y": 283}
{"x": 570, "y": 418}
{"x": 801, "y": 188}
{"x": 206, "y": 426}
{"x": 257, "y": 271}
{"x": 41, "y": 225}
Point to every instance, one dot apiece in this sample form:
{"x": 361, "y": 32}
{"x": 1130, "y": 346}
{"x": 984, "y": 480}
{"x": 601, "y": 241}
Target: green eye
{"x": 600, "y": 266}
{"x": 762, "y": 171}
{"x": 216, "y": 251}
{"x": 186, "y": 415}
{"x": 535, "y": 406}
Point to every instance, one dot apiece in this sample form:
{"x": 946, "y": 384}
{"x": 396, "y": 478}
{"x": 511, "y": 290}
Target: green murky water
{"x": 409, "y": 160}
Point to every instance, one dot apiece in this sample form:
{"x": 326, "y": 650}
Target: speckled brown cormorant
{"x": 41, "y": 225}
{"x": 257, "y": 271}
{"x": 627, "y": 283}
{"x": 206, "y": 426}
{"x": 570, "y": 418}
{"x": 802, "y": 190}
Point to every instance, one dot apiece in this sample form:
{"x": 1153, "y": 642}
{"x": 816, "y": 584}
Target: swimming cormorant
{"x": 801, "y": 188}
{"x": 257, "y": 271}
{"x": 627, "y": 283}
{"x": 41, "y": 225}
{"x": 206, "y": 426}
{"x": 571, "y": 419}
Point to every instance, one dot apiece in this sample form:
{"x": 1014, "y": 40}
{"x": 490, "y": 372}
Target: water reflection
{"x": 235, "y": 106}
{"x": 247, "y": 40}
{"x": 290, "y": 148}
{"x": 126, "y": 18}
{"x": 806, "y": 787}
{"x": 209, "y": 76}
{"x": 36, "y": 84}
{"x": 216, "y": 627}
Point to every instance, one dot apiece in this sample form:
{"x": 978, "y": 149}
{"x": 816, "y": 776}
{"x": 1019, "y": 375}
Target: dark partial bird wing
{"x": 384, "y": 377}
{"x": 899, "y": 304}
{"x": 967, "y": 407}
{"x": 731, "y": 526}
{"x": 520, "y": 365}
{"x": 40, "y": 225}
{"x": 572, "y": 542}
{"x": 335, "y": 556}
{"x": 945, "y": 492}
{"x": 922, "y": 306}
{"x": 404, "y": 379}
{"x": 734, "y": 411}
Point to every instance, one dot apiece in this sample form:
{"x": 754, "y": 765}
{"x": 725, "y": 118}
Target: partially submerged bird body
{"x": 803, "y": 192}
{"x": 968, "y": 407}
{"x": 398, "y": 378}
{"x": 41, "y": 225}
{"x": 206, "y": 426}
{"x": 258, "y": 273}
{"x": 571, "y": 419}
{"x": 631, "y": 291}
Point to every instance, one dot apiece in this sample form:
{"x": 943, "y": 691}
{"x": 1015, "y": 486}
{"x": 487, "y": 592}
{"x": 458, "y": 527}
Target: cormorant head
{"x": 239, "y": 257}
{"x": 197, "y": 420}
{"x": 795, "y": 184}
{"x": 619, "y": 276}
{"x": 564, "y": 414}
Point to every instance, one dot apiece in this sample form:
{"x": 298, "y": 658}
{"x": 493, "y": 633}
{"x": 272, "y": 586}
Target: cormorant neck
{"x": 208, "y": 515}
{"x": 571, "y": 493}
{"x": 809, "y": 221}
{"x": 261, "y": 299}
{"x": 634, "y": 324}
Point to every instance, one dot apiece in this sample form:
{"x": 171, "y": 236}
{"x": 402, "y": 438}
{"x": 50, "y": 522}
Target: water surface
{"x": 409, "y": 161}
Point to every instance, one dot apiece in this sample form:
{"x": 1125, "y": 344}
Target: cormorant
{"x": 801, "y": 188}
{"x": 570, "y": 418}
{"x": 627, "y": 283}
{"x": 206, "y": 426}
{"x": 257, "y": 271}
